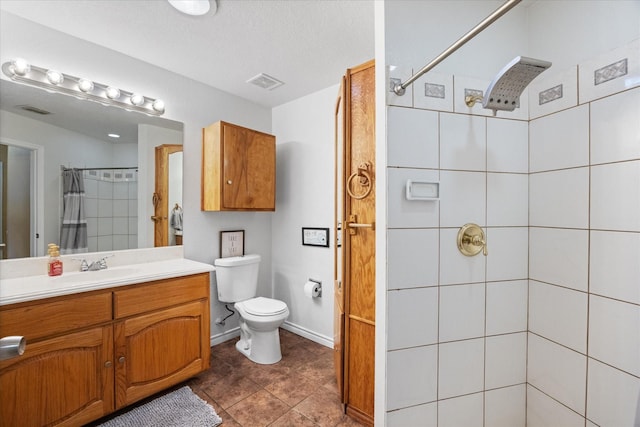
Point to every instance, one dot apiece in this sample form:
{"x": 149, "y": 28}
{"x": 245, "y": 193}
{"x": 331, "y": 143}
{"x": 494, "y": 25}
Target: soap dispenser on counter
{"x": 55, "y": 264}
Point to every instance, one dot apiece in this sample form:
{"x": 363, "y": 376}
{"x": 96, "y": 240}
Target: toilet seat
{"x": 261, "y": 306}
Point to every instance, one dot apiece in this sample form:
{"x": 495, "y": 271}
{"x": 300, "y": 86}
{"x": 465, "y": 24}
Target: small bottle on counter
{"x": 55, "y": 264}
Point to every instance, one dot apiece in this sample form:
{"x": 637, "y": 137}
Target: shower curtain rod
{"x": 64, "y": 168}
{"x": 399, "y": 89}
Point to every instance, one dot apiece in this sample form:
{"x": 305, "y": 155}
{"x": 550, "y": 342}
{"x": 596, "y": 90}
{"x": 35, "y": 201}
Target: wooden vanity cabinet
{"x": 119, "y": 346}
{"x": 238, "y": 169}
{"x": 66, "y": 381}
{"x": 161, "y": 337}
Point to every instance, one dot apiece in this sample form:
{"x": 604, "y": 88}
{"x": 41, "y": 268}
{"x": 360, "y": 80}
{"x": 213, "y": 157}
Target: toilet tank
{"x": 237, "y": 277}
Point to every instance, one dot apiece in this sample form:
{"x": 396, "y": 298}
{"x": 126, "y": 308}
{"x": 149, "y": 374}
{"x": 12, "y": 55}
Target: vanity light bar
{"x": 21, "y": 71}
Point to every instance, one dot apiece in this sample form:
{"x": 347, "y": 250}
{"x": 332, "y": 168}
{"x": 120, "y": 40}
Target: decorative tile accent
{"x": 433, "y": 90}
{"x": 111, "y": 175}
{"x": 464, "y": 86}
{"x": 610, "y": 72}
{"x": 554, "y": 91}
{"x": 473, "y": 92}
{"x": 396, "y": 75}
{"x": 550, "y": 95}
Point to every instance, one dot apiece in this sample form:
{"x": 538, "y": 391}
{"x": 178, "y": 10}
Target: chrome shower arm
{"x": 399, "y": 89}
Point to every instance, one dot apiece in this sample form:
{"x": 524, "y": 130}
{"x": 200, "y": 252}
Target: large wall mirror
{"x": 43, "y": 133}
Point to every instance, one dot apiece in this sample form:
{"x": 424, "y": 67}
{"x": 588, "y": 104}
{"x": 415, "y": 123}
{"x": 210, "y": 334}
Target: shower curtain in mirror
{"x": 73, "y": 233}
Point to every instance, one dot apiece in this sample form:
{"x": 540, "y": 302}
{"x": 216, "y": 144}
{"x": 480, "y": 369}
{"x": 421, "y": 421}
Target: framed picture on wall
{"x": 312, "y": 236}
{"x": 231, "y": 243}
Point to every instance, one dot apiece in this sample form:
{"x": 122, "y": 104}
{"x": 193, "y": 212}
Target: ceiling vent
{"x": 265, "y": 81}
{"x": 33, "y": 109}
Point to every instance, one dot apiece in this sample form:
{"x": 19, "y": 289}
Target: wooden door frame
{"x": 161, "y": 193}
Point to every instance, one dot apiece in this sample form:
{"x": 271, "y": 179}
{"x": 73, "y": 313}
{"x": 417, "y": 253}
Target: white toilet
{"x": 260, "y": 317}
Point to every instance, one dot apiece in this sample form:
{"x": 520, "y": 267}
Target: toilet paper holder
{"x": 317, "y": 287}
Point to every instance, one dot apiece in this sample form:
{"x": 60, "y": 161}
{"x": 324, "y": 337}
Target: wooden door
{"x": 338, "y": 309}
{"x": 66, "y": 380}
{"x": 159, "y": 349}
{"x": 161, "y": 195}
{"x": 249, "y": 161}
{"x": 359, "y": 242}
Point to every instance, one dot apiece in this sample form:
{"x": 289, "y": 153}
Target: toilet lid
{"x": 261, "y": 306}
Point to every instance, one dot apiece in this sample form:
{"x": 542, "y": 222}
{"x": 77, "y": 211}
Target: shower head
{"x": 504, "y": 91}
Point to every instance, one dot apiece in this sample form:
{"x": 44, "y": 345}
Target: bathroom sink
{"x": 96, "y": 276}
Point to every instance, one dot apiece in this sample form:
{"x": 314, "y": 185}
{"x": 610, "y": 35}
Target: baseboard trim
{"x": 308, "y": 334}
{"x": 225, "y": 336}
{"x": 291, "y": 327}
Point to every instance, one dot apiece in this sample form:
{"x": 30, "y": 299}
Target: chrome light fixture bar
{"x": 52, "y": 80}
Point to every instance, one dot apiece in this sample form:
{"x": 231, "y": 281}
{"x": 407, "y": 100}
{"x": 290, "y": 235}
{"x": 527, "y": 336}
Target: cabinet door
{"x": 160, "y": 349}
{"x": 66, "y": 380}
{"x": 249, "y": 162}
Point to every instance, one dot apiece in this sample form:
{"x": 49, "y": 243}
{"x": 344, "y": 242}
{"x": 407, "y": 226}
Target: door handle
{"x": 353, "y": 224}
{"x": 365, "y": 181}
{"x": 358, "y": 225}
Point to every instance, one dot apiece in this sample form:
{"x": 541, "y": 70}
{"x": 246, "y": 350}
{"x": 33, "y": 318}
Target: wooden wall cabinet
{"x": 238, "y": 169}
{"x": 90, "y": 354}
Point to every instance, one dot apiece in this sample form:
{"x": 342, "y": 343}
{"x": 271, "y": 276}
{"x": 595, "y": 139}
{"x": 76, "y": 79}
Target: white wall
{"x": 194, "y": 104}
{"x": 304, "y": 130}
{"x": 570, "y": 32}
{"x": 418, "y": 31}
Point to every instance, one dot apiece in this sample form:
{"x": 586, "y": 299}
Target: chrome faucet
{"x": 100, "y": 264}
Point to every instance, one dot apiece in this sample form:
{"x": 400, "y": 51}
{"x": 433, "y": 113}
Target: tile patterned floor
{"x": 298, "y": 391}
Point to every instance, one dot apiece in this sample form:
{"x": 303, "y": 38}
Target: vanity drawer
{"x": 160, "y": 294}
{"x": 55, "y": 316}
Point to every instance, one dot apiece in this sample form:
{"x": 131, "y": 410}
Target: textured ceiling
{"x": 307, "y": 44}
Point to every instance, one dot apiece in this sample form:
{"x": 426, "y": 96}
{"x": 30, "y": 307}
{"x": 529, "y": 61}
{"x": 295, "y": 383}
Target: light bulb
{"x": 158, "y": 105}
{"x": 55, "y": 77}
{"x": 137, "y": 99}
{"x": 113, "y": 92}
{"x": 85, "y": 85}
{"x": 20, "y": 67}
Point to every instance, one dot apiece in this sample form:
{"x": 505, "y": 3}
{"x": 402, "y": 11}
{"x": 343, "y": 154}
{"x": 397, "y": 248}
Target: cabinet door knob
{"x": 229, "y": 182}
{"x": 108, "y": 364}
{"x": 121, "y": 359}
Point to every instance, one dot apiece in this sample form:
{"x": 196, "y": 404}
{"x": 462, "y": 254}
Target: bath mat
{"x": 179, "y": 408}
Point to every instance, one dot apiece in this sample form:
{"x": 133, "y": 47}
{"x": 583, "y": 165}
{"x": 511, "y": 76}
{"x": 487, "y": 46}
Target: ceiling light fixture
{"x": 21, "y": 71}
{"x": 194, "y": 7}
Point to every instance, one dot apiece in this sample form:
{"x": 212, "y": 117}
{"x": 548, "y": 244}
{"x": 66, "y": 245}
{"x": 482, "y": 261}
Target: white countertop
{"x": 33, "y": 287}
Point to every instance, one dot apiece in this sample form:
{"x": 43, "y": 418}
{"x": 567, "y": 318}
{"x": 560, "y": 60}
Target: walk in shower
{"x": 110, "y": 207}
{"x": 543, "y": 330}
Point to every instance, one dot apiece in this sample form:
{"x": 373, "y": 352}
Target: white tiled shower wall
{"x": 545, "y": 330}
{"x": 584, "y": 252}
{"x": 111, "y": 208}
